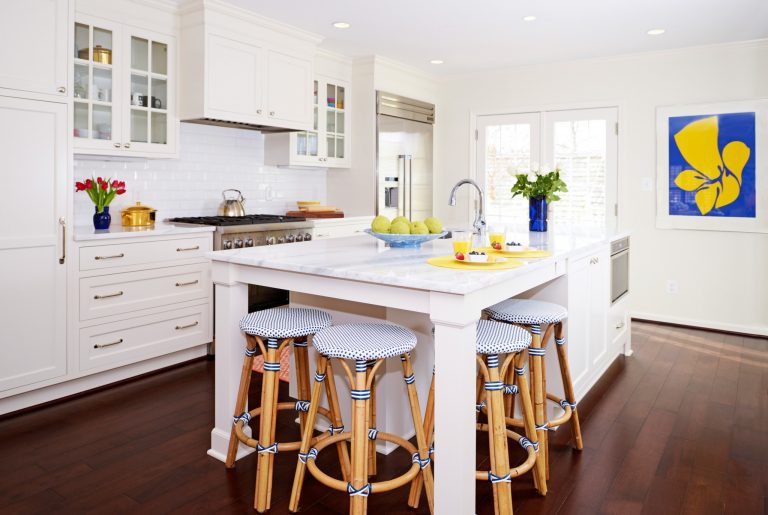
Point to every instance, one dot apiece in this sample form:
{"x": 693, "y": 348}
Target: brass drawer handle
{"x": 188, "y": 283}
{"x": 110, "y": 257}
{"x": 98, "y": 297}
{"x": 196, "y": 247}
{"x": 179, "y": 327}
{"x": 102, "y": 345}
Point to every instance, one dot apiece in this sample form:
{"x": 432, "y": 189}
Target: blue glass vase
{"x": 537, "y": 214}
{"x": 101, "y": 220}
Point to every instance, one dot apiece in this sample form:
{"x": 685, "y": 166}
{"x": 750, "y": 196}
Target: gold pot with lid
{"x": 138, "y": 216}
{"x": 100, "y": 54}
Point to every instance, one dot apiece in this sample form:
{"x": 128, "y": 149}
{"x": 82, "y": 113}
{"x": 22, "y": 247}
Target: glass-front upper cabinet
{"x": 307, "y": 147}
{"x": 124, "y": 101}
{"x": 335, "y": 122}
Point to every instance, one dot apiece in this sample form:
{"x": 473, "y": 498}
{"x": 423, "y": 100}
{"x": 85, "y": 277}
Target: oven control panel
{"x": 258, "y": 239}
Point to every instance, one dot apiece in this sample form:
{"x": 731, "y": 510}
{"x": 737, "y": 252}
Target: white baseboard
{"x": 704, "y": 324}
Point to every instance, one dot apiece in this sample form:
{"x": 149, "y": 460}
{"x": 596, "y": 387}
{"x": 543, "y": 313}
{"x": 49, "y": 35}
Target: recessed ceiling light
{"x": 341, "y": 25}
{"x": 656, "y": 32}
{"x": 529, "y": 18}
{"x": 436, "y": 61}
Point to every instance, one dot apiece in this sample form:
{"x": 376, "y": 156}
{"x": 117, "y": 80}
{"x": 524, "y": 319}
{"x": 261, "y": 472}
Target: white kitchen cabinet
{"x": 34, "y": 36}
{"x": 328, "y": 143}
{"x": 124, "y": 89}
{"x": 239, "y": 68}
{"x": 35, "y": 178}
{"x": 340, "y": 227}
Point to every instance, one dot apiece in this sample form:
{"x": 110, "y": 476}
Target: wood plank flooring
{"x": 679, "y": 428}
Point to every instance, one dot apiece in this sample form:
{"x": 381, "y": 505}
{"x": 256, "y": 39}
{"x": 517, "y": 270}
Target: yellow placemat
{"x": 526, "y": 254}
{"x": 450, "y": 262}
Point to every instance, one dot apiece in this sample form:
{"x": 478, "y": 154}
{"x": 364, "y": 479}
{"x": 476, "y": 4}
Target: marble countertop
{"x": 87, "y": 233}
{"x": 363, "y": 258}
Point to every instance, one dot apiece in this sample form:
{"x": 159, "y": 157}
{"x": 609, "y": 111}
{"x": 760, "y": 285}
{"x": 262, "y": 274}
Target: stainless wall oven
{"x": 619, "y": 269}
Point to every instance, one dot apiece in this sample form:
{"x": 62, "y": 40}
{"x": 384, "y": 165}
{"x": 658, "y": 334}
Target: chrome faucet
{"x": 479, "y": 223}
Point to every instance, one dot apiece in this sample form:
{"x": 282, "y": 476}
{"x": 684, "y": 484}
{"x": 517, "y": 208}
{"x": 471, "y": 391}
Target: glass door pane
{"x": 93, "y": 83}
{"x": 149, "y": 91}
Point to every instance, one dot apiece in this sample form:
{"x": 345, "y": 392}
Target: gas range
{"x": 236, "y": 232}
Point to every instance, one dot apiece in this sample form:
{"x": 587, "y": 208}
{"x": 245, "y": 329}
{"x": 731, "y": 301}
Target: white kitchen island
{"x": 362, "y": 270}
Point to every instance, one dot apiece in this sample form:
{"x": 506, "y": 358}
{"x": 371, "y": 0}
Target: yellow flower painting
{"x": 712, "y": 157}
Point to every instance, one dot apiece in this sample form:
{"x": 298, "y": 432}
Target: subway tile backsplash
{"x": 211, "y": 159}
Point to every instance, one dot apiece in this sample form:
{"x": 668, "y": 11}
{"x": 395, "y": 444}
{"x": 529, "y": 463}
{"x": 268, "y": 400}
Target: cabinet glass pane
{"x": 101, "y": 89}
{"x": 340, "y": 97}
{"x": 312, "y": 143}
{"x": 315, "y": 92}
{"x": 81, "y": 81}
{"x": 102, "y": 46}
{"x": 159, "y": 94}
{"x": 159, "y": 58}
{"x": 139, "y": 54}
{"x": 82, "y": 35}
{"x": 314, "y": 124}
{"x": 330, "y": 124}
{"x": 139, "y": 90}
{"x": 139, "y": 126}
{"x": 159, "y": 128}
{"x": 102, "y": 122}
{"x": 81, "y": 120}
{"x": 339, "y": 147}
{"x": 331, "y": 95}
{"x": 331, "y": 141}
{"x": 339, "y": 123}
{"x": 301, "y": 144}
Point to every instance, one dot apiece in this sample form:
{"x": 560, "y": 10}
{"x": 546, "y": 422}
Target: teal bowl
{"x": 405, "y": 241}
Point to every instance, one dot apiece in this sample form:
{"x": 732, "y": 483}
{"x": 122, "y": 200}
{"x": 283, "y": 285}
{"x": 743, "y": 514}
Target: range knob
{"x": 299, "y": 237}
{"x": 281, "y": 239}
{"x": 290, "y": 238}
{"x": 226, "y": 244}
{"x": 249, "y": 242}
{"x": 307, "y": 237}
{"x": 238, "y": 244}
{"x": 271, "y": 240}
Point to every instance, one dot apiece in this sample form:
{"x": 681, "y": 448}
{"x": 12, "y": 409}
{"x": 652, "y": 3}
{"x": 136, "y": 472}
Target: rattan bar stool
{"x": 535, "y": 316}
{"x": 270, "y": 331}
{"x": 495, "y": 339}
{"x": 368, "y": 345}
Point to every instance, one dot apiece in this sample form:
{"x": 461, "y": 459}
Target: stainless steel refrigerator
{"x": 403, "y": 156}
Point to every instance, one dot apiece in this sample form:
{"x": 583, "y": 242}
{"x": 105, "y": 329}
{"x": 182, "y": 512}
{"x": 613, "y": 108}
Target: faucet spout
{"x": 479, "y": 223}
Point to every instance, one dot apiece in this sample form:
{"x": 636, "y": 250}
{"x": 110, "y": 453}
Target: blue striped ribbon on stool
{"x": 245, "y": 417}
{"x": 432, "y": 449}
{"x": 364, "y": 491}
{"x": 560, "y": 341}
{"x": 537, "y": 351}
{"x": 479, "y": 407}
{"x": 402, "y": 357}
{"x": 302, "y": 406}
{"x": 360, "y": 395}
{"x": 409, "y": 379}
{"x": 271, "y": 343}
{"x": 373, "y": 433}
{"x": 525, "y": 443}
{"x": 520, "y": 371}
{"x": 270, "y": 449}
{"x": 422, "y": 463}
{"x": 564, "y": 404}
{"x": 319, "y": 377}
{"x": 493, "y": 361}
{"x": 543, "y": 427}
{"x": 300, "y": 344}
{"x": 511, "y": 389}
{"x": 499, "y": 479}
{"x": 250, "y": 352}
{"x": 335, "y": 429}
{"x": 361, "y": 365}
{"x": 492, "y": 386}
{"x": 535, "y": 329}
{"x": 370, "y": 363}
{"x": 310, "y": 455}
{"x": 270, "y": 366}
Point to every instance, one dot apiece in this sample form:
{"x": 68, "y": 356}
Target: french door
{"x": 583, "y": 143}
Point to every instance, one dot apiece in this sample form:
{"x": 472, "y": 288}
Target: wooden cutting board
{"x": 316, "y": 214}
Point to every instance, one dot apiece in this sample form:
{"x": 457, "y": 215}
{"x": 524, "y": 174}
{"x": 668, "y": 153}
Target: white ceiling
{"x": 481, "y": 34}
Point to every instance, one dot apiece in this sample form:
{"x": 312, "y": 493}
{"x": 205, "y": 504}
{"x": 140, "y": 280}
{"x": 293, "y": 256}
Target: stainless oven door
{"x": 619, "y": 275}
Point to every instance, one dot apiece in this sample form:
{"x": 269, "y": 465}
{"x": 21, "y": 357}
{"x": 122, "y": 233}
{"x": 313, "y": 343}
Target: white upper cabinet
{"x": 241, "y": 68}
{"x": 34, "y": 36}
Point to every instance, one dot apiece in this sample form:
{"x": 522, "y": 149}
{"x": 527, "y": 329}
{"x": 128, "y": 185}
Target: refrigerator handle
{"x": 402, "y": 209}
{"x": 410, "y": 186}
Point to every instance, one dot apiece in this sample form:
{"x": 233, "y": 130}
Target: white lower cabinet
{"x": 340, "y": 227}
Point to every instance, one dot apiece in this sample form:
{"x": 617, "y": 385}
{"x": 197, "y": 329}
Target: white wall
{"x": 211, "y": 159}
{"x": 723, "y": 277}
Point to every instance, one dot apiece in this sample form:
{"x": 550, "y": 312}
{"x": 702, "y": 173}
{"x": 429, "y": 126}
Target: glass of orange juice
{"x": 462, "y": 242}
{"x": 497, "y": 234}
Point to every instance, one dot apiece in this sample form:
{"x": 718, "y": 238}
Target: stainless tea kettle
{"x": 232, "y": 206}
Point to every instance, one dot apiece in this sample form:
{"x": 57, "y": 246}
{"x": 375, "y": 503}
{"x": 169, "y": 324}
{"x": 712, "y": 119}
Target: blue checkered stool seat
{"x": 527, "y": 311}
{"x": 498, "y": 338}
{"x": 285, "y": 322}
{"x": 364, "y": 341}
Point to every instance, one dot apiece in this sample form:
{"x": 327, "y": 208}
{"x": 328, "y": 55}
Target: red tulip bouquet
{"x": 101, "y": 191}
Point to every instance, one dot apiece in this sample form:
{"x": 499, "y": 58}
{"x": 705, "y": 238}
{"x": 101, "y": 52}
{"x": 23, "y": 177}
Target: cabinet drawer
{"x": 122, "y": 293}
{"x": 128, "y": 341}
{"x": 125, "y": 254}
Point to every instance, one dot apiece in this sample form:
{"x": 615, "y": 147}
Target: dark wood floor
{"x": 681, "y": 427}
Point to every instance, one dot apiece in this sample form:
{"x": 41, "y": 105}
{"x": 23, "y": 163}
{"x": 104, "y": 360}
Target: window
{"x": 582, "y": 143}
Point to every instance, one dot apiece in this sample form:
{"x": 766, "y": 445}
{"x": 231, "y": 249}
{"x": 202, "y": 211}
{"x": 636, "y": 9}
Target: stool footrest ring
{"x": 287, "y": 446}
{"x": 524, "y": 467}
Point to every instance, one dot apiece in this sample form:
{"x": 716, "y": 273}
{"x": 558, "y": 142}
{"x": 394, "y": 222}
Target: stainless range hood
{"x": 266, "y": 129}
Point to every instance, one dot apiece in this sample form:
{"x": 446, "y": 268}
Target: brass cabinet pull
{"x": 110, "y": 257}
{"x": 97, "y": 297}
{"x": 63, "y": 224}
{"x": 102, "y": 345}
{"x": 196, "y": 247}
{"x": 179, "y": 327}
{"x": 188, "y": 283}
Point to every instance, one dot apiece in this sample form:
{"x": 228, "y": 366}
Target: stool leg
{"x": 301, "y": 360}
{"x": 429, "y": 431}
{"x": 565, "y": 371}
{"x": 509, "y": 400}
{"x": 536, "y": 354}
{"x": 421, "y": 438}
{"x": 544, "y": 342}
{"x": 528, "y": 418}
{"x": 242, "y": 397}
{"x": 372, "y": 418}
{"x": 497, "y": 436}
{"x": 267, "y": 421}
{"x": 333, "y": 403}
{"x": 360, "y": 397}
{"x": 306, "y": 435}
